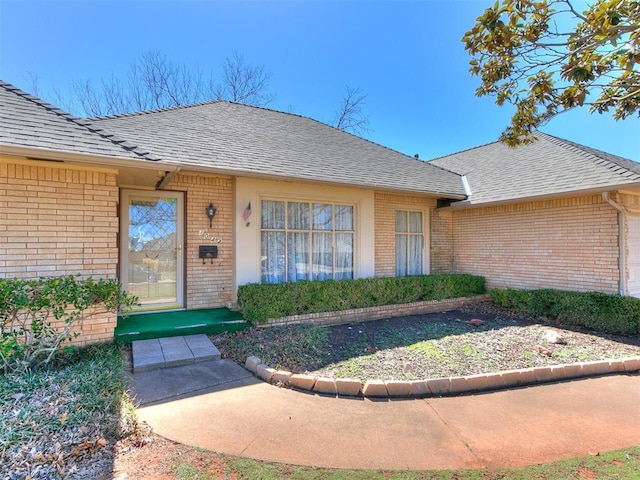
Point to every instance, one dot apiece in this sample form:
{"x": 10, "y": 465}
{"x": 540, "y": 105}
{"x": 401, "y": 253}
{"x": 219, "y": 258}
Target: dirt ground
{"x": 157, "y": 458}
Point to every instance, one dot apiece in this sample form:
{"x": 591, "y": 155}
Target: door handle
{"x": 179, "y": 250}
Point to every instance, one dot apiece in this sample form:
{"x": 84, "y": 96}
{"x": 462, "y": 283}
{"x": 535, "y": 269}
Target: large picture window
{"x": 409, "y": 243}
{"x": 306, "y": 241}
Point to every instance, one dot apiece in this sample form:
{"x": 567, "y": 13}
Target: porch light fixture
{"x": 211, "y": 212}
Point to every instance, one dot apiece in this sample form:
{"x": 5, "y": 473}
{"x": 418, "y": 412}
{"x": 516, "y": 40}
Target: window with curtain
{"x": 306, "y": 241}
{"x": 409, "y": 243}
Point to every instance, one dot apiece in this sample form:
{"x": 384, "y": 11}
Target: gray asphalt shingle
{"x": 28, "y": 122}
{"x": 246, "y": 140}
{"x": 548, "y": 166}
{"x": 252, "y": 141}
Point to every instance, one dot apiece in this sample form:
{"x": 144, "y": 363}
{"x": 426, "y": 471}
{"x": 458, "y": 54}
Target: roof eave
{"x": 63, "y": 155}
{"x": 300, "y": 179}
{"x": 468, "y": 204}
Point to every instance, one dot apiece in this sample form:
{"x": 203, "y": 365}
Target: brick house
{"x": 127, "y": 197}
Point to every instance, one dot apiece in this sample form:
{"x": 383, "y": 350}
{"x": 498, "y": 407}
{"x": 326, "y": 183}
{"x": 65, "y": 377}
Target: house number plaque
{"x": 206, "y": 236}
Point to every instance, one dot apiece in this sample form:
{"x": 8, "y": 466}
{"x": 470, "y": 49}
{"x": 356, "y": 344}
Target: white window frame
{"x": 333, "y": 231}
{"x": 424, "y": 234}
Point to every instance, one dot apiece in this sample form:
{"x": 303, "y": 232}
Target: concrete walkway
{"x": 236, "y": 414}
{"x": 158, "y": 353}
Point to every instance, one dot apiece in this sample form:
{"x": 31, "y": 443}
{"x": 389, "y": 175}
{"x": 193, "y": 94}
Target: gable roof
{"x": 28, "y": 123}
{"x": 550, "y": 166}
{"x": 244, "y": 140}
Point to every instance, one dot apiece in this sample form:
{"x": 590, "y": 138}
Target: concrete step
{"x": 156, "y": 353}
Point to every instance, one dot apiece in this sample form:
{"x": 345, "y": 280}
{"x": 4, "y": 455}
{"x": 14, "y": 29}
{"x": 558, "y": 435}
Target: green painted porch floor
{"x": 209, "y": 321}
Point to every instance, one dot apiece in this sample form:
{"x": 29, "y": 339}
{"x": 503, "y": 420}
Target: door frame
{"x": 123, "y": 254}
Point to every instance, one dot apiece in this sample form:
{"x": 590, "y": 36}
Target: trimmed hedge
{"x": 260, "y": 302}
{"x": 593, "y": 310}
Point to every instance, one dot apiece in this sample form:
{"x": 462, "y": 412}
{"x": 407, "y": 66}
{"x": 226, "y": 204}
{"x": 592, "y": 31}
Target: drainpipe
{"x": 621, "y": 237}
{"x": 465, "y": 185}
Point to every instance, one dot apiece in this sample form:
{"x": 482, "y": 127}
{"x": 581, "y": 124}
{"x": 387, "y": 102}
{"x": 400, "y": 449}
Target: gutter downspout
{"x": 621, "y": 241}
{"x": 465, "y": 185}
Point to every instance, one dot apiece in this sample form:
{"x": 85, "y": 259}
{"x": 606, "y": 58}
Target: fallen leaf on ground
{"x": 542, "y": 350}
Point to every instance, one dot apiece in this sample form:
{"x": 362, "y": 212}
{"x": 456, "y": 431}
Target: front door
{"x": 152, "y": 239}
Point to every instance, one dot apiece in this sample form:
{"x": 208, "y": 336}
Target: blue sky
{"x": 405, "y": 55}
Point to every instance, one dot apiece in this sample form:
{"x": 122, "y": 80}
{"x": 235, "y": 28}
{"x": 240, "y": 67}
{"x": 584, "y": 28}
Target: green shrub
{"x": 260, "y": 302}
{"x": 593, "y": 310}
{"x": 37, "y": 317}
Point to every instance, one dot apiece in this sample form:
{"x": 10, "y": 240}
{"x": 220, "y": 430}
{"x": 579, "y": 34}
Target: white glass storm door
{"x": 151, "y": 245}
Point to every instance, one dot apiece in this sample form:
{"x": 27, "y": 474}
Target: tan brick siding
{"x": 59, "y": 220}
{"x": 386, "y": 205}
{"x": 441, "y": 241}
{"x": 208, "y": 285}
{"x": 369, "y": 314}
{"x": 569, "y": 244}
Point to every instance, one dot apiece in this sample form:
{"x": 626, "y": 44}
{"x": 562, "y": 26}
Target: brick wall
{"x": 441, "y": 241}
{"x": 59, "y": 220}
{"x": 373, "y": 313}
{"x": 569, "y": 244}
{"x": 386, "y": 205}
{"x": 208, "y": 285}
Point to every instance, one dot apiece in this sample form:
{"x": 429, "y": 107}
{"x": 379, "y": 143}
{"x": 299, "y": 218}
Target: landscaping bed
{"x": 424, "y": 346}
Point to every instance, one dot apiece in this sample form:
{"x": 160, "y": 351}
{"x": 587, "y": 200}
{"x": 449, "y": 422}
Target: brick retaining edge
{"x": 372, "y": 313}
{"x": 433, "y": 387}
{"x": 437, "y": 387}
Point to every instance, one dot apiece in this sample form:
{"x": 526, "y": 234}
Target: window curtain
{"x": 415, "y": 244}
{"x": 322, "y": 256}
{"x": 409, "y": 243}
{"x": 297, "y": 256}
{"x": 344, "y": 256}
{"x": 315, "y": 242}
{"x": 272, "y": 242}
{"x": 344, "y": 242}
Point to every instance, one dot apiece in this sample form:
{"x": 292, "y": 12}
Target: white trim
{"x": 247, "y": 245}
{"x": 426, "y": 234}
{"x": 465, "y": 185}
{"x": 310, "y": 231}
{"x": 63, "y": 155}
{"x": 125, "y": 195}
{"x": 622, "y": 243}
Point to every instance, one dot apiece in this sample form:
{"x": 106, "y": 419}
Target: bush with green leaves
{"x": 260, "y": 302}
{"x": 594, "y": 310}
{"x": 39, "y": 317}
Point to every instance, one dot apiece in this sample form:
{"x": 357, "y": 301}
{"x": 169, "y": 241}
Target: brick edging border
{"x": 436, "y": 387}
{"x": 367, "y": 314}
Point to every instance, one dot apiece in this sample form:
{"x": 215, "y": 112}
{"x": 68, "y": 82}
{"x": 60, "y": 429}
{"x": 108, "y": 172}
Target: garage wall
{"x": 569, "y": 244}
{"x": 631, "y": 232}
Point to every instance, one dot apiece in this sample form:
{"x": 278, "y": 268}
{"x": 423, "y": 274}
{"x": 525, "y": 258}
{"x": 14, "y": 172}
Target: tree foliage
{"x": 545, "y": 57}
{"x": 154, "y": 81}
{"x": 349, "y": 116}
{"x": 243, "y": 83}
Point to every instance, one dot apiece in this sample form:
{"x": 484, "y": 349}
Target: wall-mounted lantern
{"x": 211, "y": 212}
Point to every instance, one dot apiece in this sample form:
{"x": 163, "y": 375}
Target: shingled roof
{"x": 252, "y": 141}
{"x": 549, "y": 166}
{"x": 26, "y": 122}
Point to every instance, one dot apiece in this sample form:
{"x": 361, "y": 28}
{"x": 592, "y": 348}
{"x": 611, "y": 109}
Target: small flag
{"x": 247, "y": 213}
